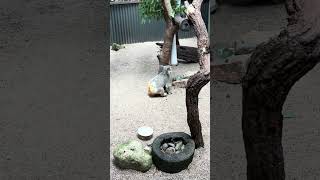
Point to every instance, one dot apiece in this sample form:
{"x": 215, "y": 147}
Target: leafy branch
{"x": 152, "y": 9}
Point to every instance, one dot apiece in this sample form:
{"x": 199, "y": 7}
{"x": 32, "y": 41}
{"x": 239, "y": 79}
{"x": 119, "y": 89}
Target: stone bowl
{"x": 173, "y": 161}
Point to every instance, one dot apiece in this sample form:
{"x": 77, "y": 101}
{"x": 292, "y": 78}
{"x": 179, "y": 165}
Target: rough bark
{"x": 273, "y": 69}
{"x": 170, "y": 31}
{"x": 185, "y": 54}
{"x": 202, "y": 77}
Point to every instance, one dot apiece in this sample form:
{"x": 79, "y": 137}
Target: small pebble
{"x": 149, "y": 144}
{"x": 179, "y": 145}
{"x": 171, "y": 144}
{"x": 164, "y": 146}
{"x": 170, "y": 150}
{"x": 148, "y": 149}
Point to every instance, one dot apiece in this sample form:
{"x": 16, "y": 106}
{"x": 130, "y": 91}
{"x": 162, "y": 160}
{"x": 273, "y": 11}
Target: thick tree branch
{"x": 200, "y": 79}
{"x": 203, "y": 42}
{"x": 197, "y": 3}
{"x": 168, "y": 11}
{"x": 273, "y": 69}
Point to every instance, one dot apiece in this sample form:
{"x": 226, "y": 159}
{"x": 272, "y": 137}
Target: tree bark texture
{"x": 202, "y": 77}
{"x": 170, "y": 31}
{"x": 273, "y": 69}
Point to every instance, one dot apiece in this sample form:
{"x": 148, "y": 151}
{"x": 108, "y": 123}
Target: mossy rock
{"x": 116, "y": 47}
{"x": 131, "y": 155}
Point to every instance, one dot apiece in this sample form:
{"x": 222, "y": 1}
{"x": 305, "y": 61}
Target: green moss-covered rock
{"x": 131, "y": 155}
{"x": 116, "y": 47}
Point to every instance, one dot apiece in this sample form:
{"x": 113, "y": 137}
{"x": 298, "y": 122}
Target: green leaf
{"x": 152, "y": 9}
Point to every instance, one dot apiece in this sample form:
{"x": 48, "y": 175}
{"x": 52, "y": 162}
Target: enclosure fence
{"x": 126, "y": 26}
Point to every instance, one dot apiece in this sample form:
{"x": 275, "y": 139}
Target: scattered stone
{"x": 165, "y": 146}
{"x": 170, "y": 150}
{"x": 172, "y": 147}
{"x": 179, "y": 145}
{"x": 147, "y": 149}
{"x": 131, "y": 155}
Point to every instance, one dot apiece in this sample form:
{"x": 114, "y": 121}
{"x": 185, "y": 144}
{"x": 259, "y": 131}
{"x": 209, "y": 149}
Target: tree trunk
{"x": 202, "y": 77}
{"x": 273, "y": 69}
{"x": 170, "y": 31}
{"x": 177, "y": 38}
{"x": 185, "y": 54}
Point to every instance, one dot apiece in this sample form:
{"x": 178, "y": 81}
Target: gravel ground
{"x": 131, "y": 68}
{"x": 301, "y": 133}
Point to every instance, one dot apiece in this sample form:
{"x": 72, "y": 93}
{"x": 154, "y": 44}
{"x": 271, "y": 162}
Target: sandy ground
{"x": 301, "y": 133}
{"x": 130, "y": 69}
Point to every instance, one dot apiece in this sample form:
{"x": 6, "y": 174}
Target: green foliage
{"x": 180, "y": 10}
{"x": 152, "y": 9}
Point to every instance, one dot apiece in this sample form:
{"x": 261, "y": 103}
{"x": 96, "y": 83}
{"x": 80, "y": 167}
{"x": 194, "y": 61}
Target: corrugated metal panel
{"x": 126, "y": 26}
